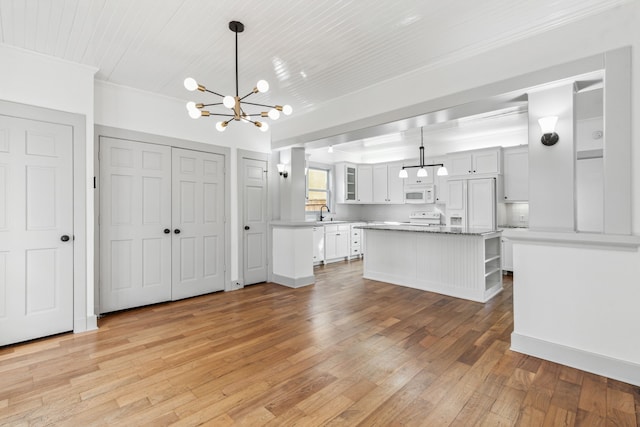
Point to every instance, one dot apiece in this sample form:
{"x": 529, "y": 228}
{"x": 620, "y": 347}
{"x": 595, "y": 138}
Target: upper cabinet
{"x": 346, "y": 183}
{"x": 387, "y": 185}
{"x": 516, "y": 174}
{"x": 485, "y": 161}
{"x": 414, "y": 179}
{"x": 364, "y": 190}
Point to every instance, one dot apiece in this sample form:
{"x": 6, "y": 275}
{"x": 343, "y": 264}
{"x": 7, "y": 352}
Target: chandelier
{"x": 422, "y": 172}
{"x": 235, "y": 103}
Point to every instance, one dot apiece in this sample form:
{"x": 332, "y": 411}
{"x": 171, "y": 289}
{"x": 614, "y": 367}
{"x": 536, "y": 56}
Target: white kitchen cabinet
{"x": 457, "y": 195}
{"x": 336, "y": 242}
{"x": 414, "y": 179}
{"x": 440, "y": 182}
{"x": 318, "y": 244}
{"x": 356, "y": 246}
{"x": 485, "y": 161}
{"x": 507, "y": 255}
{"x": 364, "y": 189}
{"x": 387, "y": 186}
{"x": 346, "y": 175}
{"x": 516, "y": 174}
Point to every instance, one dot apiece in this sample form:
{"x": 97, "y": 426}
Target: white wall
{"x": 132, "y": 109}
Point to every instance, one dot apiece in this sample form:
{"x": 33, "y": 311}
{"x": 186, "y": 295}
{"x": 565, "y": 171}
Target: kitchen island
{"x": 455, "y": 261}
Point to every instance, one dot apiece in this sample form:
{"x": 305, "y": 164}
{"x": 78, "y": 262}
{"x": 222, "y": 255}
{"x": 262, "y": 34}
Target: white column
{"x": 552, "y": 168}
{"x": 292, "y": 188}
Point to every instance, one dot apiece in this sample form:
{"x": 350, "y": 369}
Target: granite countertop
{"x": 430, "y": 229}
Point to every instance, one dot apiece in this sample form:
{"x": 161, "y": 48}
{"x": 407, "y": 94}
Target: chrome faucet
{"x": 328, "y": 211}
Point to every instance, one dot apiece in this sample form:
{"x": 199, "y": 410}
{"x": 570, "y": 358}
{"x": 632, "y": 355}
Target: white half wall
{"x": 578, "y": 300}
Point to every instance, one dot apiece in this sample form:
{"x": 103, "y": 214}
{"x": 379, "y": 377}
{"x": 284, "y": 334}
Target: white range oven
{"x": 425, "y": 218}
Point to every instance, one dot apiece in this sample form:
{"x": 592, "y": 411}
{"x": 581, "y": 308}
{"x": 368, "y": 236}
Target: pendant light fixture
{"x": 422, "y": 172}
{"x": 235, "y": 103}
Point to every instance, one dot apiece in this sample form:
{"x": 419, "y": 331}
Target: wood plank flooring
{"x": 343, "y": 352}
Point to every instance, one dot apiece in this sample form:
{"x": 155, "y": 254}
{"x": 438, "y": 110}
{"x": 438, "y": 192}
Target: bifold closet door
{"x": 135, "y": 224}
{"x": 36, "y": 229}
{"x": 198, "y": 223}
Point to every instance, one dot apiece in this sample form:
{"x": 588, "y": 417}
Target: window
{"x": 317, "y": 189}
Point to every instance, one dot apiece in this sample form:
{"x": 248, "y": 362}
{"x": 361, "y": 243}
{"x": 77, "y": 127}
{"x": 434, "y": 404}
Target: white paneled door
{"x": 161, "y": 223}
{"x": 36, "y": 229}
{"x": 198, "y": 223}
{"x": 254, "y": 221}
{"x": 135, "y": 224}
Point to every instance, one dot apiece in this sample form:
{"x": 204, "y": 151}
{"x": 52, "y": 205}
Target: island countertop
{"x": 430, "y": 229}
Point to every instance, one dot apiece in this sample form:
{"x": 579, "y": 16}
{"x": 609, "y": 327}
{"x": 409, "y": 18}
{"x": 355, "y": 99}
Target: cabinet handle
{"x": 64, "y": 238}
{"x": 177, "y": 231}
{"x": 474, "y": 171}
{"x": 167, "y": 231}
{"x": 505, "y": 197}
{"x": 469, "y": 171}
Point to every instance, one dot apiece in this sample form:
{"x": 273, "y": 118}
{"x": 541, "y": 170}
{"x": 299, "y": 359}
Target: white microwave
{"x": 422, "y": 194}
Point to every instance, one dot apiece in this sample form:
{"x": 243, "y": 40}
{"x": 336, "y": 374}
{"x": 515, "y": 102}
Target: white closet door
{"x": 198, "y": 223}
{"x": 135, "y": 224}
{"x": 36, "y": 229}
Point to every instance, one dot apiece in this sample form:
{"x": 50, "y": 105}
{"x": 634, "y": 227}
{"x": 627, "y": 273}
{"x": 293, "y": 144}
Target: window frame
{"x": 328, "y": 192}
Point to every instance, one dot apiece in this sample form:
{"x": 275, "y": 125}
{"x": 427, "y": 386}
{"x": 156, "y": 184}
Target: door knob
{"x": 167, "y": 231}
{"x": 177, "y": 231}
{"x": 246, "y": 227}
{"x": 64, "y": 238}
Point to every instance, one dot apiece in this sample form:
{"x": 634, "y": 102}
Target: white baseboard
{"x": 293, "y": 283}
{"x": 617, "y": 369}
{"x": 86, "y": 324}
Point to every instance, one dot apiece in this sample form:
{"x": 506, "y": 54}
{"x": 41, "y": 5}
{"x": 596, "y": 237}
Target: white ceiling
{"x": 311, "y": 52}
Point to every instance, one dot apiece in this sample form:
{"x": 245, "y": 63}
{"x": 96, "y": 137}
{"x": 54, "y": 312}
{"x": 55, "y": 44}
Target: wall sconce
{"x": 282, "y": 171}
{"x": 548, "y": 127}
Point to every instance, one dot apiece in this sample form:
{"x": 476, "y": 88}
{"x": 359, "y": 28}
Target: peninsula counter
{"x": 455, "y": 261}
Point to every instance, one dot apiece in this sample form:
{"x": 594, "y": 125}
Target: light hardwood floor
{"x": 345, "y": 351}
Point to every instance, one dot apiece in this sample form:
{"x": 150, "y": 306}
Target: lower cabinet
{"x": 356, "y": 239}
{"x": 318, "y": 244}
{"x": 336, "y": 242}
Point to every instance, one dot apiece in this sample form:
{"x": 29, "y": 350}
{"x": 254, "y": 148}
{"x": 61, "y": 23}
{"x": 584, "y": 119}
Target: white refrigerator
{"x": 472, "y": 203}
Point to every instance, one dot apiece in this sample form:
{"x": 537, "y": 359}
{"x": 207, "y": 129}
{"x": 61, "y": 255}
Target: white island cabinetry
{"x": 463, "y": 263}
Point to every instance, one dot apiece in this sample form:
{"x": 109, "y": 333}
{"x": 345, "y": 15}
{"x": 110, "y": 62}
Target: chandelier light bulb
{"x": 287, "y": 110}
{"x": 191, "y": 105}
{"x": 221, "y": 126}
{"x": 330, "y": 149}
{"x": 422, "y": 172}
{"x": 229, "y": 101}
{"x": 262, "y": 86}
{"x": 403, "y": 174}
{"x": 264, "y": 127}
{"x": 195, "y": 113}
{"x": 190, "y": 84}
{"x": 274, "y": 114}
